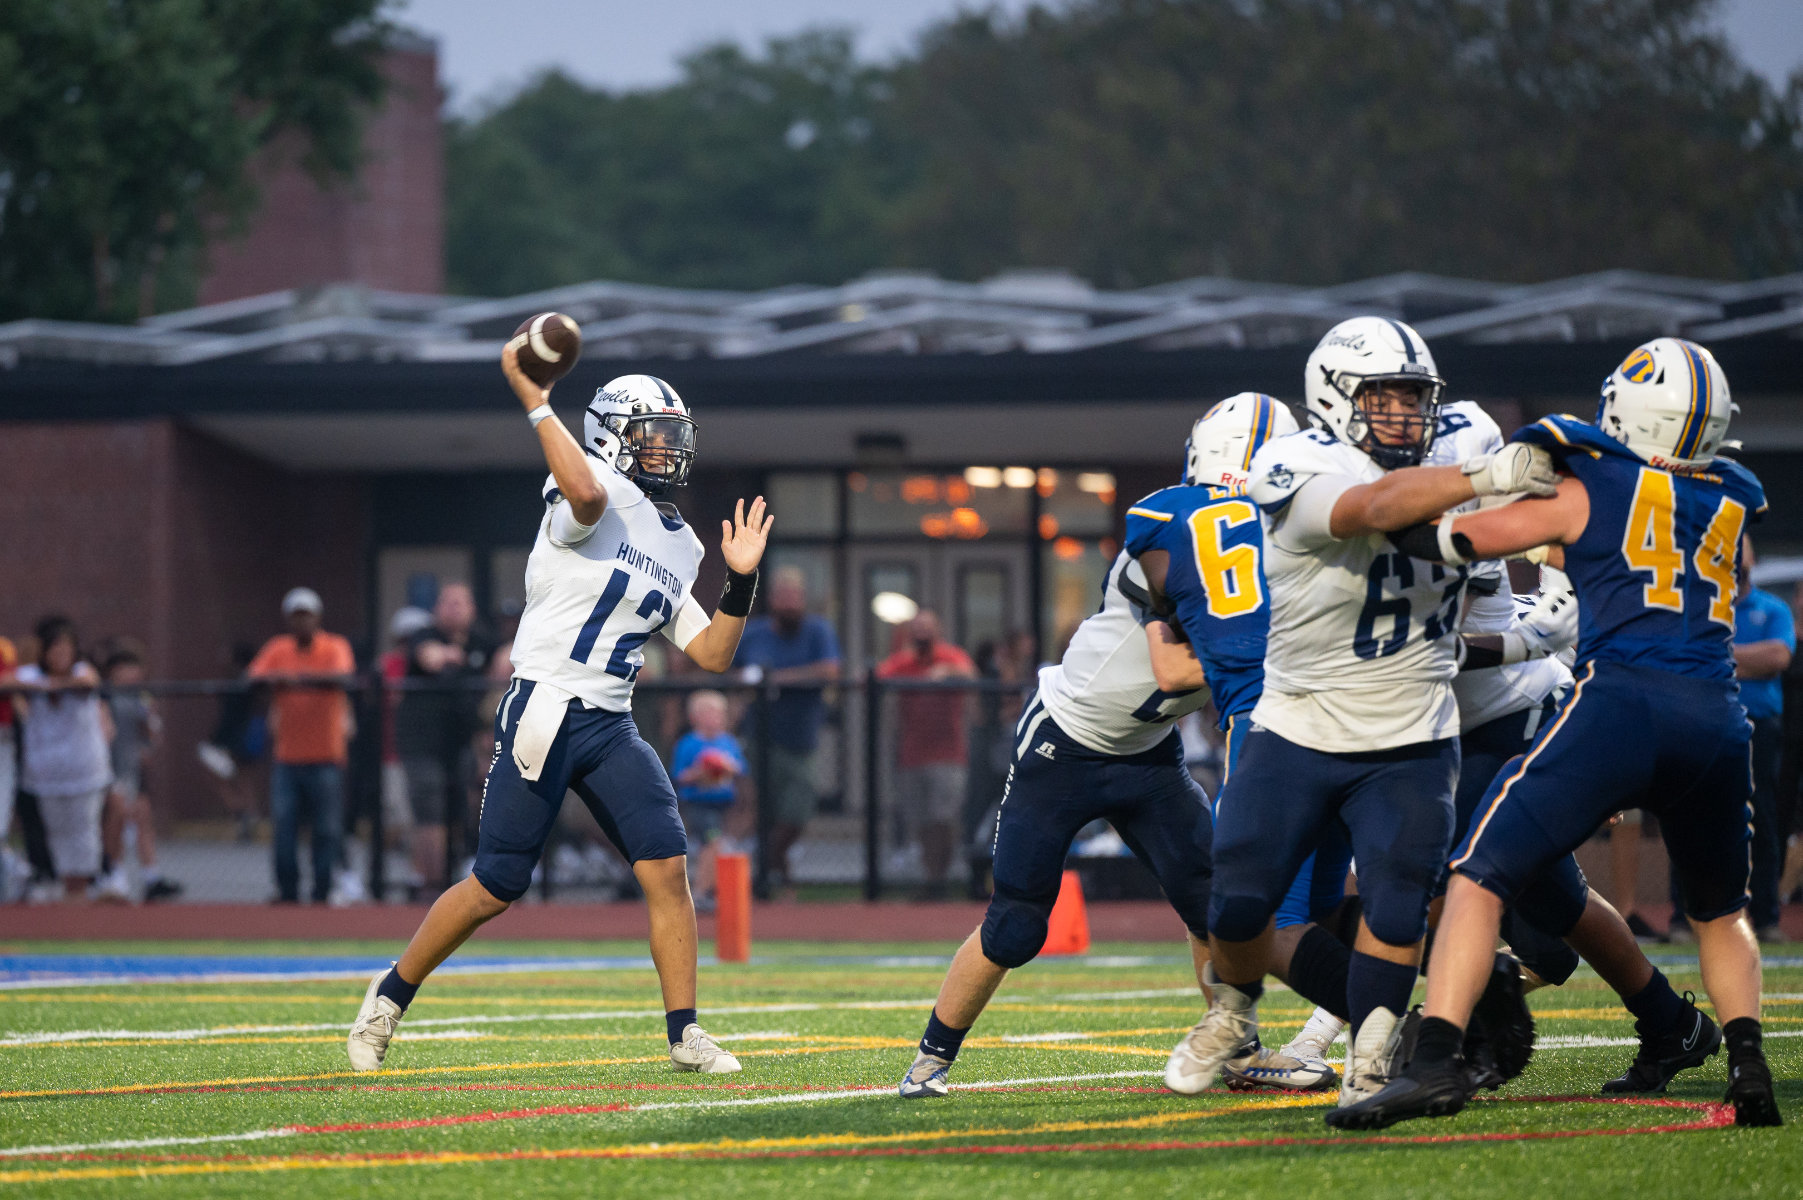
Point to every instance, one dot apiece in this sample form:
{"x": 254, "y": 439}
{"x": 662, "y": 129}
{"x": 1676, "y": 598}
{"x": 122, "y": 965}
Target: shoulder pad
{"x": 1284, "y": 464}
{"x": 1566, "y": 435}
{"x": 1741, "y": 484}
{"x": 1465, "y": 431}
{"x": 1147, "y": 519}
{"x": 550, "y": 491}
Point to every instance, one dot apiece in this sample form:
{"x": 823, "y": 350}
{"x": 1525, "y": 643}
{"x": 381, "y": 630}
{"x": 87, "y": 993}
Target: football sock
{"x": 1438, "y": 1041}
{"x": 1745, "y": 1040}
{"x": 1318, "y": 970}
{"x": 1373, "y": 983}
{"x": 396, "y": 988}
{"x": 677, "y": 1020}
{"x": 940, "y": 1039}
{"x": 1655, "y": 1007}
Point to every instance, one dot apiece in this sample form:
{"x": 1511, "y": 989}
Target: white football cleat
{"x": 1371, "y": 1057}
{"x": 1225, "y": 1032}
{"x": 699, "y": 1052}
{"x": 925, "y": 1080}
{"x": 374, "y": 1027}
{"x": 1277, "y": 1070}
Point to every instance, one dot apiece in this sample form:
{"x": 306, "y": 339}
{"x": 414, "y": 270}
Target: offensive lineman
{"x": 610, "y": 568}
{"x": 1647, "y": 522}
{"x": 1099, "y": 741}
{"x": 1357, "y": 722}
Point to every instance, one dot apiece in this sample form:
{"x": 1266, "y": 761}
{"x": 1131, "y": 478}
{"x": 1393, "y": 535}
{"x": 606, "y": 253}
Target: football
{"x": 549, "y": 345}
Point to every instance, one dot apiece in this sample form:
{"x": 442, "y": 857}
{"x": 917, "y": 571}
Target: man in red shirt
{"x": 932, "y": 755}
{"x": 311, "y": 714}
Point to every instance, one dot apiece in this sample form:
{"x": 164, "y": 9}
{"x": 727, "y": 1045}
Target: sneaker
{"x": 114, "y": 887}
{"x": 1420, "y": 1091}
{"x": 699, "y": 1052}
{"x": 374, "y": 1027}
{"x": 1223, "y": 1033}
{"x": 925, "y": 1080}
{"x": 162, "y": 889}
{"x": 1750, "y": 1092}
{"x": 1259, "y": 1069}
{"x": 1371, "y": 1057}
{"x": 1688, "y": 1043}
{"x": 1501, "y": 1024}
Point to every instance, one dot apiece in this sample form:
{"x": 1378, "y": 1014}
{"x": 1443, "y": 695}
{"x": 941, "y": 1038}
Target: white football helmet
{"x": 1668, "y": 402}
{"x": 1221, "y": 444}
{"x": 638, "y": 425}
{"x": 1374, "y": 350}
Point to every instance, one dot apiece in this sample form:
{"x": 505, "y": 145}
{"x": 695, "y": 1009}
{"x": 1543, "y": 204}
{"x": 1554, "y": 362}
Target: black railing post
{"x": 766, "y": 803}
{"x": 873, "y": 774}
{"x": 375, "y": 695}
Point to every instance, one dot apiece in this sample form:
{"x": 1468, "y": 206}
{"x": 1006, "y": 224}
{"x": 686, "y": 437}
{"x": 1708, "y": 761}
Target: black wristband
{"x": 740, "y": 591}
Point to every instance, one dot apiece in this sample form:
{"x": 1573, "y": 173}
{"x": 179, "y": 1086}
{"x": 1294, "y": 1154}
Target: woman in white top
{"x": 65, "y": 761}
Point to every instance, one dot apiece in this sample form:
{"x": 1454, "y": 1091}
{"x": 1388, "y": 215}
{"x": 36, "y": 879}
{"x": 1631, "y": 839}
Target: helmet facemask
{"x": 1382, "y": 424}
{"x": 656, "y": 449}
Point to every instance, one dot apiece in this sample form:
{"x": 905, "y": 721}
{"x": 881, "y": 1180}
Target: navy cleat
{"x": 1750, "y": 1092}
{"x": 1423, "y": 1090}
{"x": 1689, "y": 1043}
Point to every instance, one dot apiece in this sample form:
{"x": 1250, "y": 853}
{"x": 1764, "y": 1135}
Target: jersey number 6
{"x": 1229, "y": 573}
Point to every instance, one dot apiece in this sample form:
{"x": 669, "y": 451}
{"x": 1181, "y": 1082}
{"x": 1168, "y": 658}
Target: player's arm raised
{"x": 742, "y": 540}
{"x": 575, "y": 476}
{"x": 1415, "y": 494}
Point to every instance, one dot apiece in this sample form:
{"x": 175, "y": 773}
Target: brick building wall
{"x": 383, "y": 229}
{"x": 150, "y": 530}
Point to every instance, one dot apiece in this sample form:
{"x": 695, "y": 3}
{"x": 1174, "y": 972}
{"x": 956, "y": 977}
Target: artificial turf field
{"x": 531, "y": 1077}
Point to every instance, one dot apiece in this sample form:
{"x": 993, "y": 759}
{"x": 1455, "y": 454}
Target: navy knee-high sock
{"x": 1373, "y": 983}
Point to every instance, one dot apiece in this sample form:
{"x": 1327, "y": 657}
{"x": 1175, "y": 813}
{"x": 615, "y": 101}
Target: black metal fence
{"x": 895, "y": 783}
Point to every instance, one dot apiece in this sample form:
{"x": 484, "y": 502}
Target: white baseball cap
{"x": 302, "y": 600}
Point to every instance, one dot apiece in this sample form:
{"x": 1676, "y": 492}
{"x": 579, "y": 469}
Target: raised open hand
{"x": 742, "y": 539}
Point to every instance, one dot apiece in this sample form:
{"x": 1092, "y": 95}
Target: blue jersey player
{"x": 1647, "y": 522}
{"x": 1097, "y": 742}
{"x": 611, "y": 568}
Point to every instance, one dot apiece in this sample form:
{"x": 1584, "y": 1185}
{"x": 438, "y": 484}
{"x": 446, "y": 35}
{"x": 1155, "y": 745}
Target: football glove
{"x": 1517, "y": 467}
{"x": 1549, "y": 628}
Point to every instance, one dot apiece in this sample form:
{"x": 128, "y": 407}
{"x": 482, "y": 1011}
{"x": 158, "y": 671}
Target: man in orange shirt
{"x": 931, "y": 755}
{"x": 308, "y": 669}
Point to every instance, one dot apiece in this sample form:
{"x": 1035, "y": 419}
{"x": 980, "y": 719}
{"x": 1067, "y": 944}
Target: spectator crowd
{"x": 314, "y": 741}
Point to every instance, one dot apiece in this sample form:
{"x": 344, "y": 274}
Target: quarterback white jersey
{"x": 594, "y": 600}
{"x": 1362, "y": 649}
{"x": 1103, "y": 693}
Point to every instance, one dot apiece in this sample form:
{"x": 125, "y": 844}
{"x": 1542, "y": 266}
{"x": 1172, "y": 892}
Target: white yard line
{"x": 863, "y": 1093}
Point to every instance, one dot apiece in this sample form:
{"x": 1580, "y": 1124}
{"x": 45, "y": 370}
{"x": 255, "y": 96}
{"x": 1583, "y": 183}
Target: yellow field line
{"x": 644, "y": 1149}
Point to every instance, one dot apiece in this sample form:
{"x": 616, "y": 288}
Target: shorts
{"x": 430, "y": 781}
{"x": 933, "y": 793}
{"x": 790, "y": 778}
{"x": 703, "y": 822}
{"x": 72, "y": 828}
{"x": 598, "y": 755}
{"x": 1628, "y": 737}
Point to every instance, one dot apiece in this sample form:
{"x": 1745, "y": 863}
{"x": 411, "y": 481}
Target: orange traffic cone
{"x": 1067, "y": 929}
{"x": 732, "y": 911}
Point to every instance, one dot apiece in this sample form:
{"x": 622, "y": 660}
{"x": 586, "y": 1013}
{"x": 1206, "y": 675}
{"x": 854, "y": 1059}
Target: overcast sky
{"x": 488, "y": 49}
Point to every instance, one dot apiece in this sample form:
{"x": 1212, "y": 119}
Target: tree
{"x": 126, "y": 130}
{"x": 1319, "y": 140}
{"x": 749, "y": 171}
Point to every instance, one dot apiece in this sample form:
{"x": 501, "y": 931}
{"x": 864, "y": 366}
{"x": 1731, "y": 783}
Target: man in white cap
{"x": 311, "y": 715}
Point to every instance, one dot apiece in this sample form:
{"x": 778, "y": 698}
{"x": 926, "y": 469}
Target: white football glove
{"x": 1549, "y": 628}
{"x": 1517, "y": 467}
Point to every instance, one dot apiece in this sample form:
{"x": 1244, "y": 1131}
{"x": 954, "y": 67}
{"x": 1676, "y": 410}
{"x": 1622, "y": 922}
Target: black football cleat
{"x": 1502, "y": 1025}
{"x": 1689, "y": 1043}
{"x": 1750, "y": 1092}
{"x": 1423, "y": 1090}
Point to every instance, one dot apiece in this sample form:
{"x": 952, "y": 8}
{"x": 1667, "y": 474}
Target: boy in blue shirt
{"x": 1765, "y": 638}
{"x": 706, "y": 767}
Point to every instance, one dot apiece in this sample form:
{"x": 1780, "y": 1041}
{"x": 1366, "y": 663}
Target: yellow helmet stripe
{"x": 1698, "y": 417}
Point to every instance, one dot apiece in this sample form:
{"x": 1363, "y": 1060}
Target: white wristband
{"x": 1515, "y": 649}
{"x": 1448, "y": 552}
{"x": 540, "y": 415}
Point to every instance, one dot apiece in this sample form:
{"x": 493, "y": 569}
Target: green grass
{"x": 841, "y": 1033}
